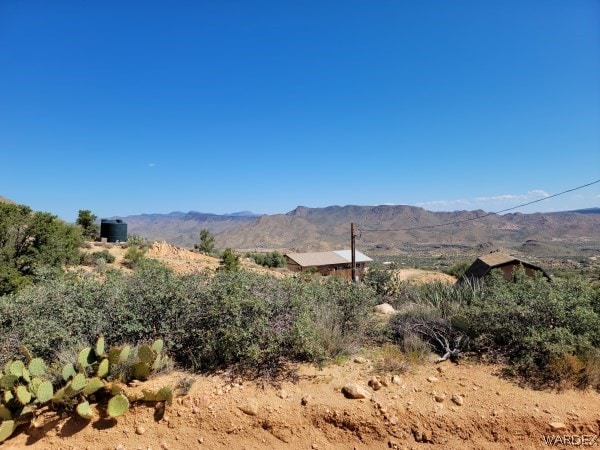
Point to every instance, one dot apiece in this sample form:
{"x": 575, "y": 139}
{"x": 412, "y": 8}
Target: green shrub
{"x": 541, "y": 327}
{"x": 133, "y": 256}
{"x": 229, "y": 260}
{"x": 270, "y": 259}
{"x": 93, "y": 259}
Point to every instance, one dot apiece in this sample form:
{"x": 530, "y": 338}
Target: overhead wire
{"x": 423, "y": 227}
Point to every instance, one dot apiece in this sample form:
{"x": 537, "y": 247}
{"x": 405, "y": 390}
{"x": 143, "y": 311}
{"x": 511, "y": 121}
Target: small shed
{"x": 498, "y": 260}
{"x": 338, "y": 263}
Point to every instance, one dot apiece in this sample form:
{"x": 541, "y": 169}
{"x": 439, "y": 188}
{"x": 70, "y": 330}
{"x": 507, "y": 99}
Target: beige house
{"x": 338, "y": 263}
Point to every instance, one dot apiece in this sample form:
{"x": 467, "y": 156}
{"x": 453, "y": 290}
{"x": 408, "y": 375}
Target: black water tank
{"x": 113, "y": 230}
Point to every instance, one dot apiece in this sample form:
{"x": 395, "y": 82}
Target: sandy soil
{"x": 444, "y": 406}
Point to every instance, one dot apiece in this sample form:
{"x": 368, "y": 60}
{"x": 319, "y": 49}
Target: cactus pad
{"x": 93, "y": 385}
{"x": 146, "y": 354}
{"x": 124, "y": 355}
{"x": 37, "y": 367}
{"x": 60, "y": 394}
{"x": 99, "y": 346}
{"x": 16, "y": 368}
{"x": 5, "y": 413}
{"x": 158, "y": 345}
{"x": 118, "y": 405}
{"x": 85, "y": 357}
{"x": 84, "y": 410}
{"x": 78, "y": 382}
{"x": 8, "y": 381}
{"x": 6, "y": 429}
{"x": 44, "y": 392}
{"x": 113, "y": 355}
{"x": 103, "y": 368}
{"x": 68, "y": 372}
{"x": 8, "y": 396}
{"x": 23, "y": 395}
{"x": 141, "y": 371}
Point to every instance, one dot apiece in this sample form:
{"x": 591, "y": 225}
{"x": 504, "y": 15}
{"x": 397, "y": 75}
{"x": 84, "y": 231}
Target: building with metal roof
{"x": 338, "y": 262}
{"x": 498, "y": 260}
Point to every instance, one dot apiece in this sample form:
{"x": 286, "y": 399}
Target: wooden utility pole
{"x": 353, "y": 250}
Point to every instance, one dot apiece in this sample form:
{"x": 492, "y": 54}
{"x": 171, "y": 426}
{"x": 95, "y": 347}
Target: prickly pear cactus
{"x": 118, "y": 405}
{"x": 85, "y": 411}
{"x": 37, "y": 367}
{"x": 93, "y": 385}
{"x": 68, "y": 372}
{"x": 23, "y": 395}
{"x": 44, "y": 392}
{"x": 99, "y": 349}
{"x": 6, "y": 429}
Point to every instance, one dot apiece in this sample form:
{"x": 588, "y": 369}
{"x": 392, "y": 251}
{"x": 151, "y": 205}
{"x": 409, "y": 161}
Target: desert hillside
{"x": 401, "y": 232}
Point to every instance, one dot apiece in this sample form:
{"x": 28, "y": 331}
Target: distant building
{"x": 497, "y": 260}
{"x": 338, "y": 263}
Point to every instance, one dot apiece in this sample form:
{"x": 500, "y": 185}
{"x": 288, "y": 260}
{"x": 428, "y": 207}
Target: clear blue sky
{"x": 151, "y": 107}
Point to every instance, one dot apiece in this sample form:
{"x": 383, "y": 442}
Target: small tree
{"x": 207, "y": 242}
{"x": 229, "y": 261}
{"x": 86, "y": 220}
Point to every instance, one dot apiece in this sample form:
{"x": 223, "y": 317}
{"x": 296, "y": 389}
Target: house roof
{"x": 313, "y": 259}
{"x": 484, "y": 264}
{"x": 497, "y": 259}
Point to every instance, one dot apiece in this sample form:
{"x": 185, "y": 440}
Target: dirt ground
{"x": 430, "y": 406}
{"x": 445, "y": 406}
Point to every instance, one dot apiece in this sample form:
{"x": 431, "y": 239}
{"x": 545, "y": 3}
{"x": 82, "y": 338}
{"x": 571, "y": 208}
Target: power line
{"x": 485, "y": 215}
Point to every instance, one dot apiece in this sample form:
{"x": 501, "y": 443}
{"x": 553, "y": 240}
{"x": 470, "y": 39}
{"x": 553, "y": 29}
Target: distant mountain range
{"x": 183, "y": 229}
{"x": 384, "y": 227}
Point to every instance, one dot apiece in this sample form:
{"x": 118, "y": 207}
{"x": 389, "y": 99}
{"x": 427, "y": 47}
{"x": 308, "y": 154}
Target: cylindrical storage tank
{"x": 113, "y": 230}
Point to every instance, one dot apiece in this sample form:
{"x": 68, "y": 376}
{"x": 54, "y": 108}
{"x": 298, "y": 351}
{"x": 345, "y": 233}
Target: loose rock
{"x": 557, "y": 426}
{"x": 250, "y": 407}
{"x": 355, "y": 391}
{"x": 375, "y": 384}
{"x": 384, "y": 308}
{"x": 433, "y": 379}
{"x": 457, "y": 399}
{"x": 140, "y": 430}
{"x": 440, "y": 398}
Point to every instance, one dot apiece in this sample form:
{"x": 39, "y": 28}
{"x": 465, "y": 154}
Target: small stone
{"x": 360, "y": 360}
{"x": 433, "y": 379}
{"x": 441, "y": 369}
{"x": 557, "y": 426}
{"x": 355, "y": 391}
{"x": 384, "y": 308}
{"x": 306, "y": 400}
{"x": 250, "y": 407}
{"x": 164, "y": 446}
{"x": 396, "y": 379}
{"x": 547, "y": 411}
{"x": 457, "y": 399}
{"x": 195, "y": 410}
{"x": 140, "y": 430}
{"x": 440, "y": 397}
{"x": 200, "y": 440}
{"x": 375, "y": 384}
{"x": 120, "y": 447}
{"x": 283, "y": 394}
